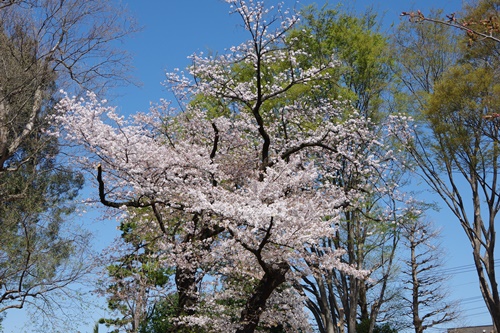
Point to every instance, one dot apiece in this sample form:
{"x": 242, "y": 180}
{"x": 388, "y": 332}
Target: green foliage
{"x": 36, "y": 245}
{"x": 456, "y": 113}
{"x": 362, "y": 51}
{"x": 364, "y": 325}
{"x": 135, "y": 283}
{"x": 424, "y": 52}
{"x": 213, "y": 106}
{"x": 161, "y": 316}
{"x": 461, "y": 89}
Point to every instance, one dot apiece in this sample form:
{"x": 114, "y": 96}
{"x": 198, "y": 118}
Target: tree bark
{"x": 256, "y": 304}
{"x": 185, "y": 281}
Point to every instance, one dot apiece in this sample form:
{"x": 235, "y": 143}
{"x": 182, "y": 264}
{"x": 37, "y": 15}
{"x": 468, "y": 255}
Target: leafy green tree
{"x": 364, "y": 74}
{"x": 363, "y": 78}
{"x": 161, "y": 316}
{"x": 37, "y": 252}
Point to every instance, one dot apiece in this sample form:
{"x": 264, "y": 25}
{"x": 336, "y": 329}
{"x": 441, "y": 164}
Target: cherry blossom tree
{"x": 240, "y": 177}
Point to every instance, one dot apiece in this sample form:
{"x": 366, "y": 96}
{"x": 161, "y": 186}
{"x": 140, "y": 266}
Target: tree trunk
{"x": 353, "y": 283}
{"x": 185, "y": 280}
{"x": 484, "y": 263}
{"x": 255, "y": 306}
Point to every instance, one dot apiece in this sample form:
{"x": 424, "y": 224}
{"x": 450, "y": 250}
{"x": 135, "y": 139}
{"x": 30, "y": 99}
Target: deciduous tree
{"x": 44, "y": 41}
{"x": 457, "y": 148}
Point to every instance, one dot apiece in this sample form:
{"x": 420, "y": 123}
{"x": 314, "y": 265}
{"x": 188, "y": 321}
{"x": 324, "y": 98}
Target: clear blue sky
{"x": 174, "y": 29}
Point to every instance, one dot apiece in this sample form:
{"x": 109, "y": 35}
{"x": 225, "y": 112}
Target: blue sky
{"x": 174, "y": 29}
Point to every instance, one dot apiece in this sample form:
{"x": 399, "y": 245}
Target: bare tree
{"x": 426, "y": 301}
